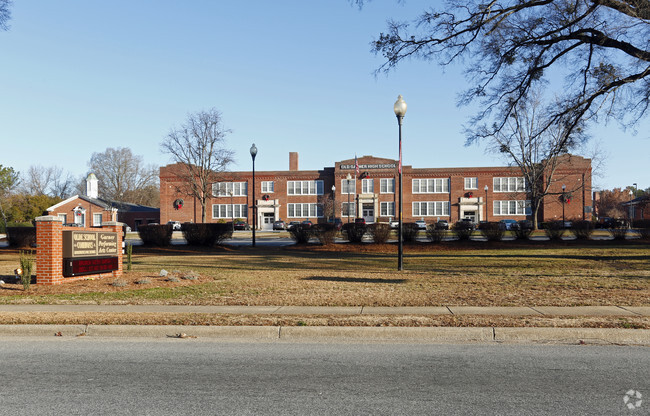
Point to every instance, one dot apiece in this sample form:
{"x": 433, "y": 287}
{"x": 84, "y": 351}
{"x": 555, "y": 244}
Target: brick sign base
{"x": 49, "y": 250}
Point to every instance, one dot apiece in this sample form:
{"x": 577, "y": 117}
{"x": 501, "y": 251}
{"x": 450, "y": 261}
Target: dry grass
{"x": 479, "y": 274}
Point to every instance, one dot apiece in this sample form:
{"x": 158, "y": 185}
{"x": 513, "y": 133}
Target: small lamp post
{"x": 253, "y": 154}
{"x": 400, "y": 110}
{"x": 232, "y": 213}
{"x": 333, "y": 202}
{"x": 563, "y": 200}
{"x": 487, "y": 208}
{"x": 348, "y": 181}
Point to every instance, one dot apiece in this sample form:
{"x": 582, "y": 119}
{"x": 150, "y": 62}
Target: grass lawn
{"x": 473, "y": 274}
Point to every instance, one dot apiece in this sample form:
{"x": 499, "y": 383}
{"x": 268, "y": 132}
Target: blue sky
{"x": 79, "y": 76}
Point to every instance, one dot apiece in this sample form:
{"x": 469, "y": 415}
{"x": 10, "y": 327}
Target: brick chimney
{"x": 293, "y": 160}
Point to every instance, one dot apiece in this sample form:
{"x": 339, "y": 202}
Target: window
{"x": 387, "y": 209}
{"x": 471, "y": 183}
{"x": 430, "y": 186}
{"x": 304, "y": 210}
{"x": 267, "y": 187}
{"x": 367, "y": 186}
{"x": 97, "y": 220}
{"x": 64, "y": 217}
{"x": 229, "y": 211}
{"x": 305, "y": 188}
{"x": 348, "y": 209}
{"x": 223, "y": 189}
{"x": 511, "y": 208}
{"x": 508, "y": 185}
{"x": 387, "y": 185}
{"x": 431, "y": 209}
{"x": 347, "y": 186}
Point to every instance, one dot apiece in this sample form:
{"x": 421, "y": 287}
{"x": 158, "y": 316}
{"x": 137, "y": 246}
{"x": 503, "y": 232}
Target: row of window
{"x": 386, "y": 209}
{"x": 386, "y": 186}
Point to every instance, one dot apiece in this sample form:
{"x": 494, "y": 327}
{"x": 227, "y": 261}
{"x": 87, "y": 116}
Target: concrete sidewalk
{"x": 592, "y": 311}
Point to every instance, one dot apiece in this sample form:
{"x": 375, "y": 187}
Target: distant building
{"x": 90, "y": 211}
{"x": 369, "y": 188}
{"x": 638, "y": 208}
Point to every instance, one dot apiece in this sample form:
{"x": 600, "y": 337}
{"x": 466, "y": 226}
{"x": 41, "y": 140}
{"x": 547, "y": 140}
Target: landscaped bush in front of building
{"x": 582, "y": 229}
{"x": 206, "y": 234}
{"x": 301, "y": 233}
{"x": 463, "y": 230}
{"x": 354, "y": 232}
{"x": 554, "y": 230}
{"x": 492, "y": 231}
{"x": 618, "y": 230}
{"x": 409, "y": 232}
{"x": 325, "y": 233}
{"x": 643, "y": 227}
{"x": 21, "y": 236}
{"x": 156, "y": 234}
{"x": 435, "y": 234}
{"x": 379, "y": 232}
{"x": 524, "y": 230}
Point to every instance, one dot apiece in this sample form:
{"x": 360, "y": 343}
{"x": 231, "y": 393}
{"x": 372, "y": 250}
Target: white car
{"x": 176, "y": 225}
{"x": 422, "y": 225}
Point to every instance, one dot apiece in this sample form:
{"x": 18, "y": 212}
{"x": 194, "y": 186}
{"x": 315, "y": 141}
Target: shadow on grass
{"x": 355, "y": 280}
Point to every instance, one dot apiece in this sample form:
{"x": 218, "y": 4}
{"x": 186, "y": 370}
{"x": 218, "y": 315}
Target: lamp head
{"x": 253, "y": 151}
{"x": 400, "y": 107}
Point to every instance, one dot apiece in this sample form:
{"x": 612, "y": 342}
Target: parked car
{"x": 421, "y": 224}
{"x": 442, "y": 225}
{"x": 279, "y": 225}
{"x": 471, "y": 224}
{"x": 508, "y": 225}
{"x": 393, "y": 223}
{"x": 292, "y": 224}
{"x": 306, "y": 224}
{"x": 241, "y": 225}
{"x": 337, "y": 222}
{"x": 176, "y": 225}
{"x": 360, "y": 221}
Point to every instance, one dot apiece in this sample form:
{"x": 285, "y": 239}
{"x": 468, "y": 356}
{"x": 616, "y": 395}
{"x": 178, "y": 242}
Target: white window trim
{"x": 318, "y": 187}
{"x": 387, "y": 181}
{"x": 472, "y": 186}
{"x": 351, "y": 212}
{"x": 265, "y": 184}
{"x": 311, "y": 207}
{"x": 234, "y": 208}
{"x": 350, "y": 190}
{"x": 367, "y": 186}
{"x": 387, "y": 205}
{"x": 443, "y": 181}
{"x": 220, "y": 189}
{"x": 519, "y": 185}
{"x": 439, "y": 208}
{"x": 522, "y": 207}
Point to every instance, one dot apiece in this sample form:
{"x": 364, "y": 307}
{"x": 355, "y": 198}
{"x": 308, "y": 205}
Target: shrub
{"x": 554, "y": 230}
{"x": 21, "y": 236}
{"x": 119, "y": 283}
{"x": 379, "y": 232}
{"x": 492, "y": 231}
{"x": 325, "y": 233}
{"x": 582, "y": 229}
{"x": 156, "y": 234}
{"x": 409, "y": 232}
{"x": 463, "y": 230}
{"x": 435, "y": 234}
{"x": 206, "y": 234}
{"x": 27, "y": 267}
{"x": 354, "y": 232}
{"x": 524, "y": 230}
{"x": 301, "y": 233}
{"x": 618, "y": 231}
{"x": 643, "y": 227}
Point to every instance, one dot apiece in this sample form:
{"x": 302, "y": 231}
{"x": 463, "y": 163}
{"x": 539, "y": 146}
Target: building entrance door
{"x": 267, "y": 221}
{"x": 369, "y": 213}
{"x": 471, "y": 215}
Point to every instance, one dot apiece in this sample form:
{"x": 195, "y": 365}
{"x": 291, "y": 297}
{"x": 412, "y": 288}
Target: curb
{"x": 325, "y": 334}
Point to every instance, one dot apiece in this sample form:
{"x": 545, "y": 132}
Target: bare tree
{"x": 514, "y": 46}
{"x": 527, "y": 141}
{"x": 610, "y": 203}
{"x": 198, "y": 146}
{"x": 51, "y": 181}
{"x": 123, "y": 176}
{"x": 5, "y": 14}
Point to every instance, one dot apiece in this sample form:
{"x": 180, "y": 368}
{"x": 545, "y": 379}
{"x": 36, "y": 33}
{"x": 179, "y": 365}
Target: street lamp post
{"x": 232, "y": 213}
{"x": 333, "y": 203}
{"x": 563, "y": 200}
{"x": 348, "y": 182}
{"x": 400, "y": 110}
{"x": 253, "y": 154}
{"x": 487, "y": 208}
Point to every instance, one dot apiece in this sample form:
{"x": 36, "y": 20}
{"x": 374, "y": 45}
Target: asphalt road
{"x": 64, "y": 376}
